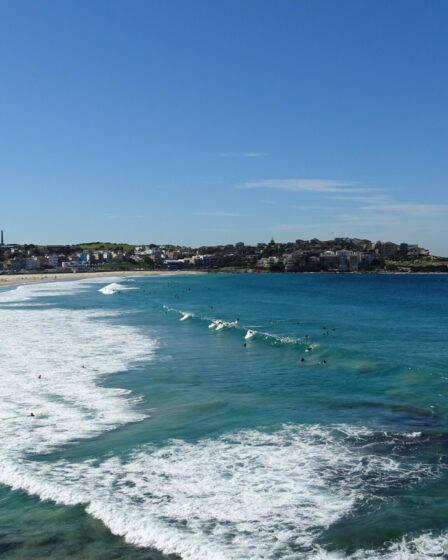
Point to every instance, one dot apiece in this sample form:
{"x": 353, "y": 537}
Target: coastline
{"x": 9, "y": 280}
{"x": 18, "y": 279}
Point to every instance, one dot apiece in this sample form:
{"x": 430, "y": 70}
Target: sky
{"x": 208, "y": 122}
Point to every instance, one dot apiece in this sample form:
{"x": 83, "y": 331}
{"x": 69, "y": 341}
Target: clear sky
{"x": 208, "y": 122}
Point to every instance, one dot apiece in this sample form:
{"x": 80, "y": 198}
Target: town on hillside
{"x": 341, "y": 254}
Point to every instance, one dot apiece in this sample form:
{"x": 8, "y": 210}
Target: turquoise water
{"x": 157, "y": 432}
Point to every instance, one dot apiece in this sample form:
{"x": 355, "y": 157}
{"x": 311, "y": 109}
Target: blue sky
{"x": 208, "y": 122}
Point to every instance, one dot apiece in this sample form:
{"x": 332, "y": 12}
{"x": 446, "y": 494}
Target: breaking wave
{"x": 113, "y": 288}
{"x": 220, "y": 324}
{"x": 245, "y": 495}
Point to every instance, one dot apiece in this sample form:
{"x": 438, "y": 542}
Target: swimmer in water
{"x": 39, "y": 376}
{"x": 302, "y": 359}
{"x": 32, "y": 414}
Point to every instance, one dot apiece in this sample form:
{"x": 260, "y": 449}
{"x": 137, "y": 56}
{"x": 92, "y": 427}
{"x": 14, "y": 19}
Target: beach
{"x": 18, "y": 279}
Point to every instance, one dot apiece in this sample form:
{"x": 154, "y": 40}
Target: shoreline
{"x": 9, "y": 280}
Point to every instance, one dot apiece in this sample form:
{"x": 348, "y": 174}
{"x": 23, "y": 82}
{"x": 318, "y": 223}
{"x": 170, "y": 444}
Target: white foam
{"x": 185, "y": 316}
{"x": 427, "y": 546}
{"x": 113, "y": 288}
{"x": 70, "y": 350}
{"x": 29, "y": 292}
{"x": 246, "y": 495}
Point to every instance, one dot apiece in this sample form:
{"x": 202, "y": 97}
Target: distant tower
{"x": 1, "y": 240}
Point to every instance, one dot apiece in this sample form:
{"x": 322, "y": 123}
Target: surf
{"x": 114, "y": 288}
{"x": 249, "y": 333}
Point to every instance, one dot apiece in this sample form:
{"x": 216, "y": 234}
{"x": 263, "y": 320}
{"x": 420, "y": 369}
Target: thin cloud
{"x": 383, "y": 203}
{"x": 407, "y": 208}
{"x": 218, "y": 214}
{"x": 309, "y": 185}
{"x": 366, "y": 198}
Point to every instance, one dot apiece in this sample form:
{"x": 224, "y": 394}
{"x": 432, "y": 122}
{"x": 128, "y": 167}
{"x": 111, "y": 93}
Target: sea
{"x": 225, "y": 417}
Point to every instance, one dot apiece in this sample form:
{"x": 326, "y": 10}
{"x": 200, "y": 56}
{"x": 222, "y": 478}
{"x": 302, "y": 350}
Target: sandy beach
{"x": 17, "y": 279}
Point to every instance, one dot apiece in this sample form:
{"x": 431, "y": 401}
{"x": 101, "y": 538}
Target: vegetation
{"x": 106, "y": 246}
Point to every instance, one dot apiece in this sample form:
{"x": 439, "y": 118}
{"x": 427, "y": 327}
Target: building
{"x": 389, "y": 250}
{"x": 31, "y": 263}
{"x": 329, "y": 260}
{"x": 53, "y": 260}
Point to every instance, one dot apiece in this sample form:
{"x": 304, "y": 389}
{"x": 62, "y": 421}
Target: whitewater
{"x": 208, "y": 444}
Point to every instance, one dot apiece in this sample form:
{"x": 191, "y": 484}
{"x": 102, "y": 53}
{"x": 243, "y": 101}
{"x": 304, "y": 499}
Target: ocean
{"x": 225, "y": 417}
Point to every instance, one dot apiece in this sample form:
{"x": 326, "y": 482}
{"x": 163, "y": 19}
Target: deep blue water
{"x": 222, "y": 446}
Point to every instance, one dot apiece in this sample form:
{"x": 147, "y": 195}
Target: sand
{"x": 16, "y": 279}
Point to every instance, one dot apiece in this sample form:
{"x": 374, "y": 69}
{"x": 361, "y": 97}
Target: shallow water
{"x": 153, "y": 432}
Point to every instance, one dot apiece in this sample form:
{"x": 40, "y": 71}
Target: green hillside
{"x": 106, "y": 246}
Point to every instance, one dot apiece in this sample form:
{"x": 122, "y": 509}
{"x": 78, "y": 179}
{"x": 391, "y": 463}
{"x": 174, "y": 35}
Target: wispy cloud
{"x": 309, "y": 185}
{"x": 407, "y": 208}
{"x": 218, "y": 214}
{"x": 363, "y": 198}
{"x": 244, "y": 154}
